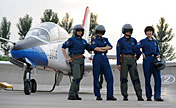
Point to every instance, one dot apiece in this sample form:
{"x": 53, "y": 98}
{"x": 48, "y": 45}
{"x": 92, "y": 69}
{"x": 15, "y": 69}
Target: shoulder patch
{"x": 67, "y": 42}
{"x": 93, "y": 42}
{"x": 118, "y": 44}
{"x": 138, "y": 43}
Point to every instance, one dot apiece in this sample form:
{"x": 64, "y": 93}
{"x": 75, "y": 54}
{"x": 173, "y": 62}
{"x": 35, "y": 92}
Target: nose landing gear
{"x": 30, "y": 85}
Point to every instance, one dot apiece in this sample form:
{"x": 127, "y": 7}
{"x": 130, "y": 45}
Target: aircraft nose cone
{"x": 27, "y": 43}
{"x": 30, "y": 48}
{"x": 22, "y": 44}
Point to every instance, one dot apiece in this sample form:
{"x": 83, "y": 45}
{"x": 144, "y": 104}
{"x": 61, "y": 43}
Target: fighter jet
{"x": 41, "y": 48}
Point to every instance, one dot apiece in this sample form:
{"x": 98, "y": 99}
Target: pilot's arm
{"x": 67, "y": 44}
{"x": 137, "y": 49}
{"x": 137, "y": 55}
{"x": 118, "y": 51}
{"x": 94, "y": 46}
{"x": 88, "y": 47}
{"x": 108, "y": 46}
{"x": 157, "y": 51}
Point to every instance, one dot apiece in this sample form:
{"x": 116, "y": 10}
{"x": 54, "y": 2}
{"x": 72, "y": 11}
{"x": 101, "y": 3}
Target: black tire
{"x": 27, "y": 88}
{"x": 34, "y": 86}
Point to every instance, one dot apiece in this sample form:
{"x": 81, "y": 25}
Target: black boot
{"x": 111, "y": 98}
{"x": 158, "y": 99}
{"x": 78, "y": 98}
{"x": 99, "y": 98}
{"x": 72, "y": 98}
{"x": 125, "y": 98}
{"x": 149, "y": 99}
{"x": 140, "y": 98}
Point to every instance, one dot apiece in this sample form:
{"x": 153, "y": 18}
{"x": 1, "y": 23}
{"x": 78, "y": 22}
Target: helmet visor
{"x": 99, "y": 32}
{"x": 79, "y": 29}
{"x": 128, "y": 30}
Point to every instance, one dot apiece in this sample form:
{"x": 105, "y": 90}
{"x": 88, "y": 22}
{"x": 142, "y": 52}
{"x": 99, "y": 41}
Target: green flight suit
{"x": 77, "y": 66}
{"x": 129, "y": 64}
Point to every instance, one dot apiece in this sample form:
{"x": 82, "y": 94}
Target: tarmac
{"x": 58, "y": 98}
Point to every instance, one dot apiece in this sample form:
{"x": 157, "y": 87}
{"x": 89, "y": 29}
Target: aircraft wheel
{"x": 34, "y": 86}
{"x": 27, "y": 87}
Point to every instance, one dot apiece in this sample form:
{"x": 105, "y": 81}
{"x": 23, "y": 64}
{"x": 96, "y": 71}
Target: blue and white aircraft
{"x": 42, "y": 48}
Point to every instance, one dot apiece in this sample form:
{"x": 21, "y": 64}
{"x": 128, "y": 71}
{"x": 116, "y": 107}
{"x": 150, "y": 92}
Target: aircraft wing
{"x": 6, "y": 63}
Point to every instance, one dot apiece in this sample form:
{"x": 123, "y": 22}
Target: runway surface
{"x": 58, "y": 99}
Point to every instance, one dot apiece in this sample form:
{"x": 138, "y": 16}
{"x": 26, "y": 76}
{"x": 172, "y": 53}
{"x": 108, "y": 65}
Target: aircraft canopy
{"x": 48, "y": 31}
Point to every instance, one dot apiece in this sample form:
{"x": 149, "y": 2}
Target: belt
{"x": 101, "y": 53}
{"x": 78, "y": 57}
{"x": 132, "y": 56}
{"x": 150, "y": 55}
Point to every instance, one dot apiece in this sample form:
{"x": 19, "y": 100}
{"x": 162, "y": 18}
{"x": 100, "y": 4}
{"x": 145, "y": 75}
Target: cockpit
{"x": 48, "y": 31}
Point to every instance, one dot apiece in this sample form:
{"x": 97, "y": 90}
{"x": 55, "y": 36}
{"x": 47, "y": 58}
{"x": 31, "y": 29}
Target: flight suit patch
{"x": 93, "y": 42}
{"x": 67, "y": 42}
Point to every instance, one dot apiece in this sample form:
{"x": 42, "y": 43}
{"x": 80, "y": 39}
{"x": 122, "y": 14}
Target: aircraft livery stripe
{"x": 35, "y": 54}
{"x": 85, "y": 16}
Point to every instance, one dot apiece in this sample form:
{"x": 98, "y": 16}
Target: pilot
{"x": 126, "y": 61}
{"x": 76, "y": 46}
{"x": 150, "y": 52}
{"x": 101, "y": 45}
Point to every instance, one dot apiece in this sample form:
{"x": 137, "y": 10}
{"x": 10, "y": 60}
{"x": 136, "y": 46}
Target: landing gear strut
{"x": 30, "y": 85}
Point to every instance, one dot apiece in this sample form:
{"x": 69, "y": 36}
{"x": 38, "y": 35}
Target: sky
{"x": 113, "y": 14}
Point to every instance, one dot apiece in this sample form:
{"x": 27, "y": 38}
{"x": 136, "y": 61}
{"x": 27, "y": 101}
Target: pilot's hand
{"x": 135, "y": 58}
{"x": 157, "y": 56}
{"x": 143, "y": 55}
{"x": 69, "y": 59}
{"x": 93, "y": 37}
{"x": 119, "y": 67}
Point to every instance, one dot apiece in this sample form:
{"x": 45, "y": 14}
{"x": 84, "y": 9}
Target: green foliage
{"x": 5, "y": 33}
{"x": 24, "y": 25}
{"x": 50, "y": 16}
{"x": 163, "y": 36}
{"x": 4, "y": 58}
{"x": 93, "y": 23}
{"x": 66, "y": 23}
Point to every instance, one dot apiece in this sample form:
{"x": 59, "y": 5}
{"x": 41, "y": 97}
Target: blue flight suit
{"x": 101, "y": 64}
{"x": 76, "y": 47}
{"x": 125, "y": 47}
{"x": 151, "y": 50}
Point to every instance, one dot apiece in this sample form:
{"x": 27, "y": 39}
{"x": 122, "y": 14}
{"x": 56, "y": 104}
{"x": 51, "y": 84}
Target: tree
{"x": 24, "y": 25}
{"x": 93, "y": 23}
{"x": 163, "y": 36}
{"x": 66, "y": 23}
{"x": 50, "y": 16}
{"x": 5, "y": 33}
